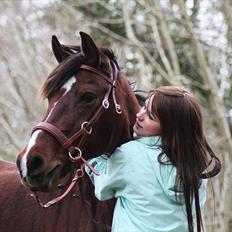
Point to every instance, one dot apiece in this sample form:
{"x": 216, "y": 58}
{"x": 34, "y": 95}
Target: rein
{"x": 75, "y": 153}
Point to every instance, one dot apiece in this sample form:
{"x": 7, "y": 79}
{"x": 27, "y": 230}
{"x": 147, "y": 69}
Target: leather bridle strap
{"x": 91, "y": 69}
{"x": 61, "y": 197}
{"x": 67, "y": 143}
{"x": 89, "y": 124}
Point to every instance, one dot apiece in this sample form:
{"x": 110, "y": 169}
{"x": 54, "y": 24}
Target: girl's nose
{"x": 140, "y": 114}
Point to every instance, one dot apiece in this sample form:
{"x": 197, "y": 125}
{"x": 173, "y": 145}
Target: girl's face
{"x": 146, "y": 125}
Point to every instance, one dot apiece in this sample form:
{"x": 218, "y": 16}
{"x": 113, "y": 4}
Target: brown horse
{"x": 91, "y": 111}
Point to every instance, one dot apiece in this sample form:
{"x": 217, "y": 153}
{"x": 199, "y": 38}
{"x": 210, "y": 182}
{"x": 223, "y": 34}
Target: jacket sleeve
{"x": 112, "y": 178}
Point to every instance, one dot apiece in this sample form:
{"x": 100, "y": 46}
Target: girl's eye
{"x": 88, "y": 97}
{"x": 153, "y": 118}
{"x": 150, "y": 117}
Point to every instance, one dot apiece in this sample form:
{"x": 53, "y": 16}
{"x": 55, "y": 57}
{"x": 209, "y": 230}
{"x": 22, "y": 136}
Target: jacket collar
{"x": 150, "y": 141}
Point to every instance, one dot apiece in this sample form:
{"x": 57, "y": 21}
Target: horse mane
{"x": 69, "y": 66}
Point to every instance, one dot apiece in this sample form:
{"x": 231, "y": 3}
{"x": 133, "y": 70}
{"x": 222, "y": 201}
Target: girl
{"x": 159, "y": 179}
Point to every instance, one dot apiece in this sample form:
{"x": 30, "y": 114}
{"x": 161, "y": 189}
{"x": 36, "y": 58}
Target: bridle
{"x": 75, "y": 153}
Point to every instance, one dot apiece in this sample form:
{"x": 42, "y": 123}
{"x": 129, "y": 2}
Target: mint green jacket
{"x": 144, "y": 188}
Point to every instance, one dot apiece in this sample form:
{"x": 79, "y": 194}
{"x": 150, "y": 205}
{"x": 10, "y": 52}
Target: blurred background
{"x": 157, "y": 42}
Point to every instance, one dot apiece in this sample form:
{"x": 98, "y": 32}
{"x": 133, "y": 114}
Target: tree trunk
{"x": 227, "y": 9}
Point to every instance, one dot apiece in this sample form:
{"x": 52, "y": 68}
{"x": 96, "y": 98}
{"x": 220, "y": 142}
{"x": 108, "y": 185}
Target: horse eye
{"x": 88, "y": 97}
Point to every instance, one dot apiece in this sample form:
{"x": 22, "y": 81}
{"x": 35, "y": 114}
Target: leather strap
{"x": 91, "y": 69}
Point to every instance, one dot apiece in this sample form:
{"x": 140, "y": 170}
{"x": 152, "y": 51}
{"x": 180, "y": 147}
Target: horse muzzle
{"x": 42, "y": 181}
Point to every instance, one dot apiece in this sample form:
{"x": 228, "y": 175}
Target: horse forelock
{"x": 66, "y": 69}
{"x": 61, "y": 74}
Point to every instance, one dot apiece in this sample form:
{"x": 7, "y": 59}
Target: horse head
{"x": 91, "y": 110}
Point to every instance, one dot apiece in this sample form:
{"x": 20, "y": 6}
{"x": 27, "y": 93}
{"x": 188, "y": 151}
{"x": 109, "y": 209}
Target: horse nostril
{"x": 35, "y": 165}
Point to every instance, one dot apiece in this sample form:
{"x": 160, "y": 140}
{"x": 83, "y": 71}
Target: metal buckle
{"x": 118, "y": 108}
{"x": 105, "y": 103}
{"x": 73, "y": 159}
{"x": 84, "y": 125}
{"x": 80, "y": 172}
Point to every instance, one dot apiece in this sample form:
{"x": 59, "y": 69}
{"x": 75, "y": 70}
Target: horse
{"x": 91, "y": 111}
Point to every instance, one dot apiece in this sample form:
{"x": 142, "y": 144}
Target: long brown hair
{"x": 184, "y": 142}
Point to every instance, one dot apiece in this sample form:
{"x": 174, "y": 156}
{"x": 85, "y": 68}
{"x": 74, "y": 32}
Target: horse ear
{"x": 58, "y": 50}
{"x": 89, "y": 49}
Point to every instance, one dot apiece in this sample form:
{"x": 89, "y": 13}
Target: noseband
{"x": 75, "y": 153}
